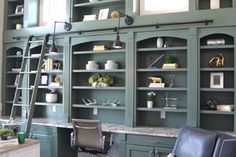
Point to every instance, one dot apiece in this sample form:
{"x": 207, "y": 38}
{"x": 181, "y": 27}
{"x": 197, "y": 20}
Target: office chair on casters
{"x": 87, "y": 137}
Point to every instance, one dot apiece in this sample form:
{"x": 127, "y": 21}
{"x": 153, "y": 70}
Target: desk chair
{"x": 194, "y": 142}
{"x": 87, "y": 137}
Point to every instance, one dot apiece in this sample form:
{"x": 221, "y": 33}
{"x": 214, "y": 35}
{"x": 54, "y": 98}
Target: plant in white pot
{"x": 98, "y": 80}
{"x": 150, "y": 98}
{"x": 51, "y": 96}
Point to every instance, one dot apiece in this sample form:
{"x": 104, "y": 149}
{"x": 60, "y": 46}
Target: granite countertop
{"x": 28, "y": 142}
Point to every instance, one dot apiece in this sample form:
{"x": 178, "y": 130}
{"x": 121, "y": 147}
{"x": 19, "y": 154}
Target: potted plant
{"x": 98, "y": 80}
{"x": 150, "y": 98}
{"x": 5, "y": 133}
{"x": 18, "y": 22}
{"x": 170, "y": 62}
{"x": 51, "y": 96}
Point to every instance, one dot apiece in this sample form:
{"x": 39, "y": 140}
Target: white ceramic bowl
{"x": 51, "y": 97}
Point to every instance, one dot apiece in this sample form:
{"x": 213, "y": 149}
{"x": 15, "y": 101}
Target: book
{"x": 170, "y": 66}
{"x": 99, "y": 48}
{"x": 11, "y": 142}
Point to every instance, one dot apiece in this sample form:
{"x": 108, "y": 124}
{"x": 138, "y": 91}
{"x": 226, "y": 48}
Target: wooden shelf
{"x": 99, "y": 3}
{"x": 162, "y": 49}
{"x": 99, "y": 71}
{"x": 217, "y": 89}
{"x": 162, "y": 70}
{"x": 14, "y": 56}
{"x": 102, "y": 88}
{"x": 48, "y": 104}
{"x": 217, "y": 47}
{"x": 216, "y": 112}
{"x": 15, "y": 15}
{"x": 98, "y": 106}
{"x": 163, "y": 89}
{"x": 183, "y": 110}
{"x": 98, "y": 52}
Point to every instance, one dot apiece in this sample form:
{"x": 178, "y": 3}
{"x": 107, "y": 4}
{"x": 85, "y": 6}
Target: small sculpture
{"x": 155, "y": 79}
{"x": 93, "y": 102}
{"x": 217, "y": 61}
{"x": 211, "y": 104}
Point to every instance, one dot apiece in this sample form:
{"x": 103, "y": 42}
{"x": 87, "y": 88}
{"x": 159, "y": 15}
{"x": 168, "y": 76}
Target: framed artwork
{"x": 217, "y": 80}
{"x": 103, "y": 14}
{"x": 16, "y": 80}
{"x": 44, "y": 80}
{"x": 19, "y": 9}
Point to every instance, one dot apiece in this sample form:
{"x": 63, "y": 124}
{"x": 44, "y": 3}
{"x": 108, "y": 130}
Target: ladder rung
{"x": 24, "y": 88}
{"x": 36, "y": 41}
{"x": 21, "y": 105}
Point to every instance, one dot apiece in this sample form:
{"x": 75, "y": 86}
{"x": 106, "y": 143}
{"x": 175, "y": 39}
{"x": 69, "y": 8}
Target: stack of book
{"x": 170, "y": 66}
{"x": 11, "y": 142}
{"x": 99, "y": 48}
{"x": 90, "y": 17}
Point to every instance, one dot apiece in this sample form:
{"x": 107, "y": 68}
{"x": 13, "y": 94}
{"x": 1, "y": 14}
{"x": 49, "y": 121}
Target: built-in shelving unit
{"x": 211, "y": 89}
{"x": 15, "y": 14}
{"x": 84, "y": 7}
{"x": 110, "y": 100}
{"x": 147, "y": 52}
{"x": 206, "y": 4}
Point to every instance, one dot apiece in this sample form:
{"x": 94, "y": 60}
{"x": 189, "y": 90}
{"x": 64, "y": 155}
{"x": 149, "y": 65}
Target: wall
{"x": 1, "y": 32}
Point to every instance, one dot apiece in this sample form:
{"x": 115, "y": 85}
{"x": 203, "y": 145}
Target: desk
{"x": 31, "y": 148}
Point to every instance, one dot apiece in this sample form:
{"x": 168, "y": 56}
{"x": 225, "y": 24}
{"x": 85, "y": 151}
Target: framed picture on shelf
{"x": 19, "y": 9}
{"x": 103, "y": 14}
{"x": 44, "y": 80}
{"x": 217, "y": 80}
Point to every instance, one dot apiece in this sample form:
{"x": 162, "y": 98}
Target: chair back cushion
{"x": 220, "y": 138}
{"x": 228, "y": 148}
{"x": 88, "y": 133}
{"x": 194, "y": 142}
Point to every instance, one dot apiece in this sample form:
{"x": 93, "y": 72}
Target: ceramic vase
{"x": 149, "y": 104}
{"x": 51, "y": 97}
{"x": 19, "y": 26}
{"x": 159, "y": 42}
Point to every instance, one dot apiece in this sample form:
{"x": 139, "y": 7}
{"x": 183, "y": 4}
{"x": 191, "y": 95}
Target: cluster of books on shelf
{"x": 90, "y": 17}
{"x": 11, "y": 142}
{"x": 169, "y": 66}
{"x": 99, "y": 47}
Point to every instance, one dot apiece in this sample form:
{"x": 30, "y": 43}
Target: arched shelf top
{"x": 169, "y": 41}
{"x": 14, "y": 50}
{"x": 211, "y": 31}
{"x": 222, "y": 38}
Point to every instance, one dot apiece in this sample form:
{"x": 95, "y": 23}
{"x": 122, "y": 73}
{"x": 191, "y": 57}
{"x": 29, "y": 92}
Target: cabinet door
{"x": 162, "y": 152}
{"x": 139, "y": 151}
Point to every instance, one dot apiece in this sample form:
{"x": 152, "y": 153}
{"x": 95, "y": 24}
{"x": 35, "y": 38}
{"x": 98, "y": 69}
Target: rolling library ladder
{"x": 24, "y": 73}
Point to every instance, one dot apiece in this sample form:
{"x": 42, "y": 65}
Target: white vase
{"x": 19, "y": 26}
{"x": 100, "y": 84}
{"x": 159, "y": 42}
{"x": 149, "y": 104}
{"x": 51, "y": 97}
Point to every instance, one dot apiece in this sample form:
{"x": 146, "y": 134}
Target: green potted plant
{"x": 170, "y": 62}
{"x": 5, "y": 133}
{"x": 98, "y": 80}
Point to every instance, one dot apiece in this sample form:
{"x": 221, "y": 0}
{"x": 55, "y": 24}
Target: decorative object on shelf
{"x": 211, "y": 104}
{"x": 157, "y": 82}
{"x": 56, "y": 81}
{"x": 67, "y": 27}
{"x": 98, "y": 80}
{"x": 90, "y": 17}
{"x": 171, "y": 82}
{"x": 160, "y": 42}
{"x": 19, "y": 26}
{"x": 217, "y": 61}
{"x": 170, "y": 103}
{"x": 150, "y": 98}
{"x": 128, "y": 21}
{"x": 214, "y": 4}
{"x": 18, "y": 53}
{"x": 56, "y": 65}
{"x": 19, "y": 9}
{"x": 103, "y": 14}
{"x": 225, "y": 108}
{"x": 99, "y": 47}
{"x": 6, "y": 133}
{"x": 217, "y": 80}
{"x": 17, "y": 66}
{"x": 92, "y": 65}
{"x": 93, "y": 1}
{"x": 51, "y": 97}
{"x": 114, "y": 103}
{"x": 93, "y": 102}
{"x": 156, "y": 61}
{"x": 170, "y": 62}
{"x": 48, "y": 64}
{"x": 166, "y": 44}
{"x": 110, "y": 64}
{"x": 115, "y": 14}
{"x": 212, "y": 42}
{"x": 44, "y": 79}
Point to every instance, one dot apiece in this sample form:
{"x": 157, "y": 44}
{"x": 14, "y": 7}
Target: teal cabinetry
{"x": 170, "y": 103}
{"x": 217, "y": 83}
{"x": 109, "y": 103}
{"x": 148, "y": 146}
{"x": 48, "y": 140}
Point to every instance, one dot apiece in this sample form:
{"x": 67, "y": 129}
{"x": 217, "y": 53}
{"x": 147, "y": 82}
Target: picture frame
{"x": 19, "y": 9}
{"x": 16, "y": 80}
{"x": 44, "y": 80}
{"x": 217, "y": 80}
{"x": 103, "y": 14}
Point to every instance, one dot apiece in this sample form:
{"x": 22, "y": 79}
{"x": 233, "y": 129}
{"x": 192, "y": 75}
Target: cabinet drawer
{"x": 151, "y": 141}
